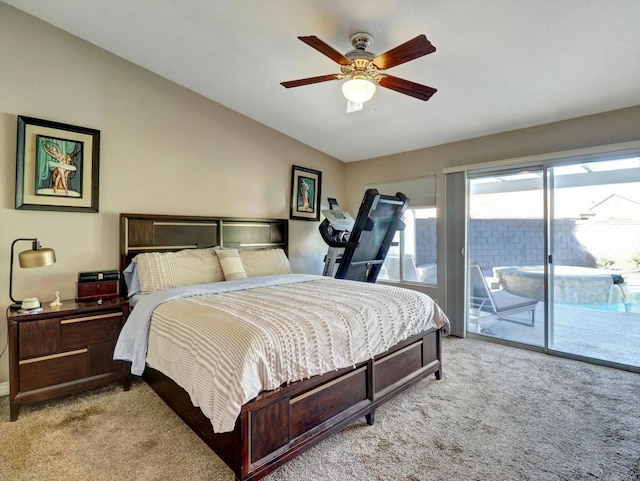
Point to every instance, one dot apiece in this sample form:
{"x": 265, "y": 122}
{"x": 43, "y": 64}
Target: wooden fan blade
{"x": 325, "y": 49}
{"x": 311, "y": 80}
{"x": 407, "y": 87}
{"x": 410, "y": 50}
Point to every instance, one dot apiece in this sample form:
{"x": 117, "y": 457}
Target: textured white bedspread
{"x": 225, "y": 348}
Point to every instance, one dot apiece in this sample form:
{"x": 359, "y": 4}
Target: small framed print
{"x": 57, "y": 166}
{"x": 305, "y": 193}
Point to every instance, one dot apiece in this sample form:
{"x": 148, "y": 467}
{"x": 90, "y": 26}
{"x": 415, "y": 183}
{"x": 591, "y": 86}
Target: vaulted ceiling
{"x": 499, "y": 65}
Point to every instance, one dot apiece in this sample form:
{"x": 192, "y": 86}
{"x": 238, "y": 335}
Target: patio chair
{"x": 498, "y": 305}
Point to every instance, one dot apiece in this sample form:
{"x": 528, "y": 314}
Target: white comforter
{"x": 226, "y": 346}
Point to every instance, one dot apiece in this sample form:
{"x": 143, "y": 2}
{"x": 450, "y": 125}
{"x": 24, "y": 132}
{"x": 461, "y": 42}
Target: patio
{"x": 594, "y": 333}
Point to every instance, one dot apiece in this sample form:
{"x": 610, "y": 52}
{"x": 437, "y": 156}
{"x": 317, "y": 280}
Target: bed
{"x": 288, "y": 395}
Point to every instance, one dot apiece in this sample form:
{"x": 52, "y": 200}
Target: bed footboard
{"x": 278, "y": 425}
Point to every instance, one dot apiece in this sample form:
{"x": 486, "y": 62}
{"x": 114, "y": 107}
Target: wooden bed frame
{"x": 280, "y": 424}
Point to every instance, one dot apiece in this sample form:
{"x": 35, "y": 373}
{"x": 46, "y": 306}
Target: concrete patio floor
{"x": 593, "y": 333}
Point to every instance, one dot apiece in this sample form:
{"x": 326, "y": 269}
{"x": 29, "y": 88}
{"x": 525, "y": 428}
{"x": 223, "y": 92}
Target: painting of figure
{"x": 306, "y": 187}
{"x": 58, "y": 167}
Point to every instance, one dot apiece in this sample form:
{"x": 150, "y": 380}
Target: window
{"x": 413, "y": 254}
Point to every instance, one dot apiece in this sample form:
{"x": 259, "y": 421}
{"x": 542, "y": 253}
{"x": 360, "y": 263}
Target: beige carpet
{"x": 498, "y": 414}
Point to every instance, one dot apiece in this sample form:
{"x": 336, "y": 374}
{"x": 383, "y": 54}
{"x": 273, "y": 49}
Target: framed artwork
{"x": 57, "y": 166}
{"x": 305, "y": 193}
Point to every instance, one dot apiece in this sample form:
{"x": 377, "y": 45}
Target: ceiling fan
{"x": 365, "y": 70}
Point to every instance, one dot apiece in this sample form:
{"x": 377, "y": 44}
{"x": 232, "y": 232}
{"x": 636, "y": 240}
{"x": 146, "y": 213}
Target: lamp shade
{"x": 37, "y": 258}
{"x": 358, "y": 90}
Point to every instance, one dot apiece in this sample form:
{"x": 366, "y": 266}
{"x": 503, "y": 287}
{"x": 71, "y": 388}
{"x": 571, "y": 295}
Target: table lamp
{"x": 35, "y": 257}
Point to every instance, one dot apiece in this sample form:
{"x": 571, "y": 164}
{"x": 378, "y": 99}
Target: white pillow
{"x": 265, "y": 262}
{"x": 231, "y": 264}
{"x": 163, "y": 270}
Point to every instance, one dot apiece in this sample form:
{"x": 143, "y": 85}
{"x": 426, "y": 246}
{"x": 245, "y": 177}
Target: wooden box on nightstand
{"x": 93, "y": 291}
{"x": 63, "y": 350}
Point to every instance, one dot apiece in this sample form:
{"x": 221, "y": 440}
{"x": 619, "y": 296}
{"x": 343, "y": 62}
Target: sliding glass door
{"x": 505, "y": 234}
{"x": 553, "y": 257}
{"x": 595, "y": 260}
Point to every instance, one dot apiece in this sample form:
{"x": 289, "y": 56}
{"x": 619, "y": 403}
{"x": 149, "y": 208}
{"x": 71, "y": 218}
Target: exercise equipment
{"x": 335, "y": 230}
{"x": 357, "y": 249}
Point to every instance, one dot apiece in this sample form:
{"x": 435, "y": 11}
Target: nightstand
{"x": 63, "y": 350}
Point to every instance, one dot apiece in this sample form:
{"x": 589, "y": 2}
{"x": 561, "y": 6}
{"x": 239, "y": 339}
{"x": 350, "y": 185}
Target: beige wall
{"x": 594, "y": 130}
{"x": 164, "y": 150}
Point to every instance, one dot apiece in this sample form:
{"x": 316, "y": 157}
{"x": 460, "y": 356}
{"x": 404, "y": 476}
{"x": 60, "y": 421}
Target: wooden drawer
{"x": 82, "y": 331}
{"x": 431, "y": 348}
{"x": 316, "y": 406}
{"x": 269, "y": 429}
{"x": 397, "y": 366}
{"x": 100, "y": 358}
{"x": 39, "y": 338}
{"x": 53, "y": 369}
{"x": 289, "y": 420}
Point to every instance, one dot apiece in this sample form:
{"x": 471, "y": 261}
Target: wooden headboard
{"x": 163, "y": 233}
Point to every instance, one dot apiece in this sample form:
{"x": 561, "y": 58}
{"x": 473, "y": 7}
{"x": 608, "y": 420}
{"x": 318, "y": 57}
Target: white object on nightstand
{"x": 30, "y": 303}
{"x": 57, "y": 302}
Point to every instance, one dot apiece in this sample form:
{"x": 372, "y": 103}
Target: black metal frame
{"x": 379, "y": 217}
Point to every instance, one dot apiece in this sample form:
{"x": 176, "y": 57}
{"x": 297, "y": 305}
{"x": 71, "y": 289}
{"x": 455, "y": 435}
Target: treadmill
{"x": 363, "y": 248}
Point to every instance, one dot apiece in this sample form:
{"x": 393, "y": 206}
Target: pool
{"x": 620, "y": 307}
{"x": 572, "y": 285}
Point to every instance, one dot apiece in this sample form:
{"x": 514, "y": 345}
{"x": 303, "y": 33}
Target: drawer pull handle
{"x": 390, "y": 356}
{"x": 54, "y": 356}
{"x": 90, "y": 318}
{"x": 325, "y": 386}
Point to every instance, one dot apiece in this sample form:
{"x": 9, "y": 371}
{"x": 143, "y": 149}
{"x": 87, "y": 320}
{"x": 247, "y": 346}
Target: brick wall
{"x": 426, "y": 245}
{"x": 520, "y": 242}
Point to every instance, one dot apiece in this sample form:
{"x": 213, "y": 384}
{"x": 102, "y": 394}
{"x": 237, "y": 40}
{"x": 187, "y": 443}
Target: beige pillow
{"x": 231, "y": 264}
{"x": 163, "y": 270}
{"x": 264, "y": 262}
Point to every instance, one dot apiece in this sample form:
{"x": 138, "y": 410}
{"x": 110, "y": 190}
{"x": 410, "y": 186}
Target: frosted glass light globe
{"x": 358, "y": 90}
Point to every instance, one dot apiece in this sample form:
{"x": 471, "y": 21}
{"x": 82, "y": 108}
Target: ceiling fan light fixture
{"x": 358, "y": 90}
